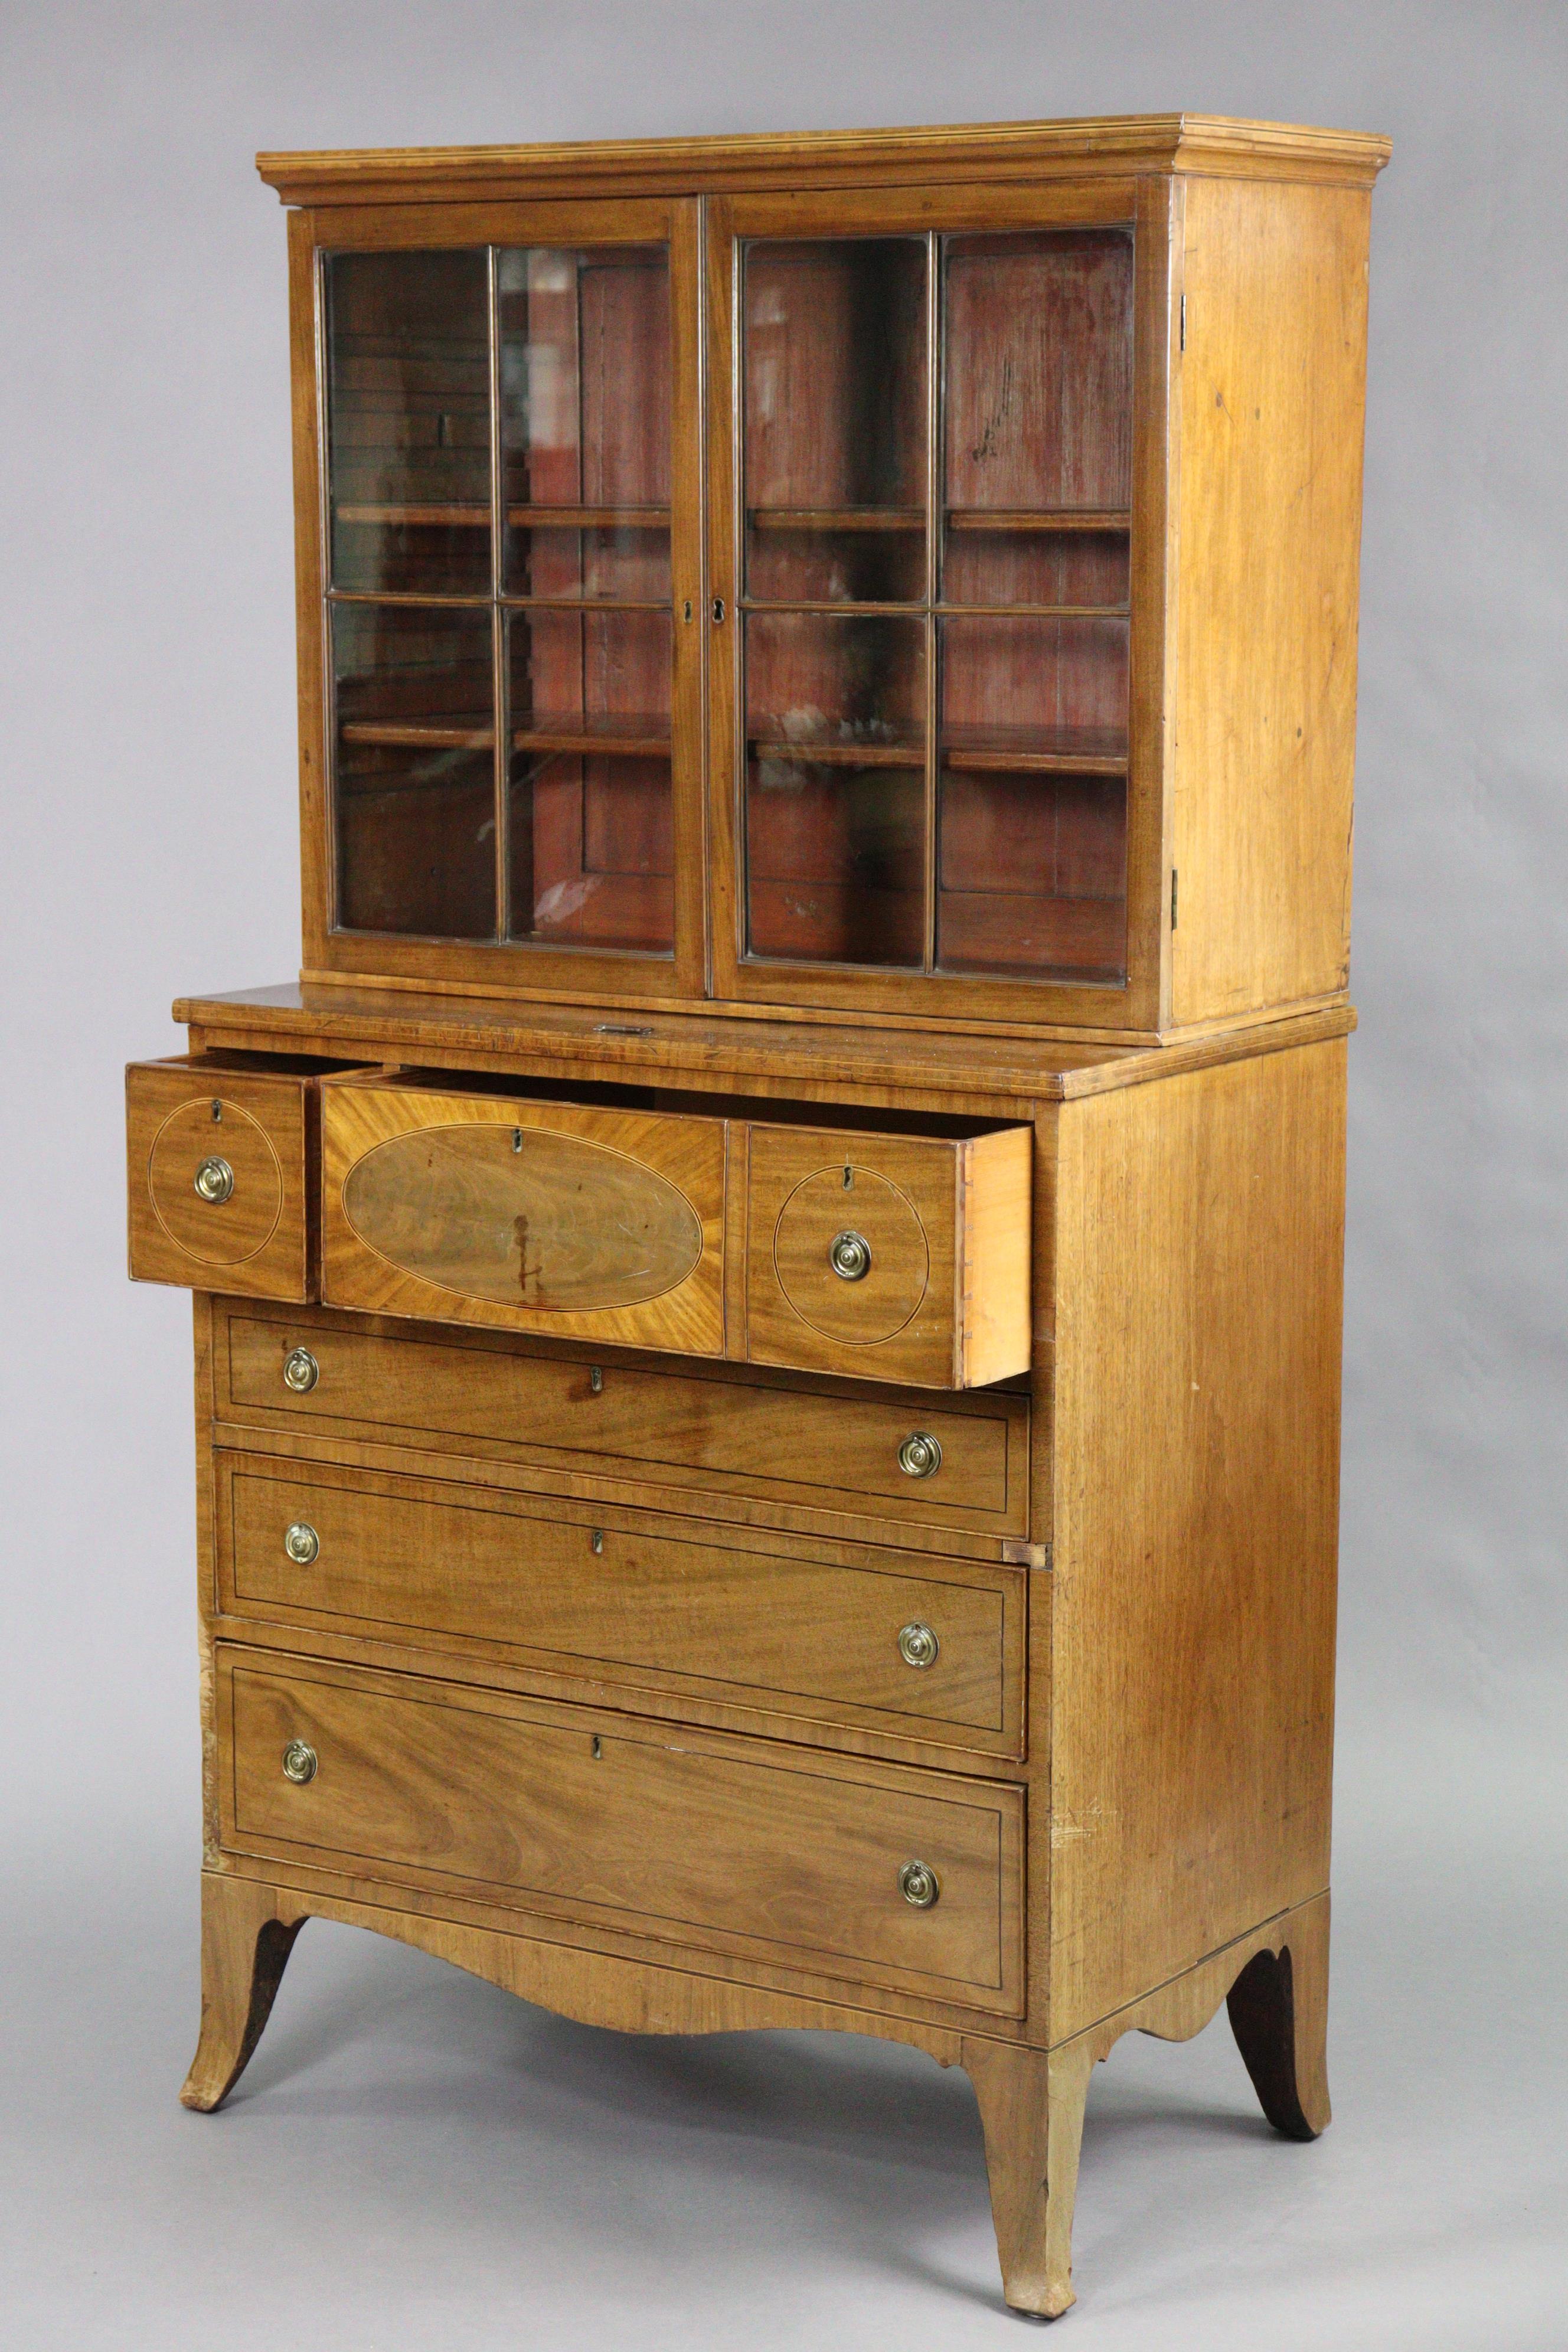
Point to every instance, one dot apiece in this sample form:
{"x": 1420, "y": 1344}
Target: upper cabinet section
{"x": 912, "y": 575}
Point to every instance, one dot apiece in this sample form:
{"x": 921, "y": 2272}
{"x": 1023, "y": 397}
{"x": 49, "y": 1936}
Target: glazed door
{"x": 500, "y": 557}
{"x": 937, "y": 544}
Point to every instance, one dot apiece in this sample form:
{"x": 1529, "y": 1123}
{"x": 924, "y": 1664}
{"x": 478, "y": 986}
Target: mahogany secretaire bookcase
{"x": 767, "y": 1311}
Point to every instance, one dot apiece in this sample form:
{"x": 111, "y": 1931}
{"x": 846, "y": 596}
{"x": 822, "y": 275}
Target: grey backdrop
{"x": 417, "y": 2160}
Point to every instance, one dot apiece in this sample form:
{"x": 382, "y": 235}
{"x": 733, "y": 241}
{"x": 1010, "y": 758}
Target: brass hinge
{"x": 1172, "y": 897}
{"x": 1019, "y": 1554}
{"x": 1182, "y": 341}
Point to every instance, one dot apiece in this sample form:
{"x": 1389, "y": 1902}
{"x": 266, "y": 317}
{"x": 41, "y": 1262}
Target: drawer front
{"x": 896, "y": 1257}
{"x": 588, "y": 1223}
{"x": 219, "y": 1176}
{"x": 937, "y": 1656}
{"x": 848, "y": 1450}
{"x": 775, "y": 1854}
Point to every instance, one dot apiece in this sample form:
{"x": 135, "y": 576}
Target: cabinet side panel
{"x": 1197, "y": 1423}
{"x": 1275, "y": 279}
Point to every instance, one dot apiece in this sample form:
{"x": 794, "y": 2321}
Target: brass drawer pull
{"x": 850, "y": 1255}
{"x": 918, "y": 1883}
{"x": 214, "y": 1181}
{"x": 918, "y": 1644}
{"x": 300, "y": 1371}
{"x": 920, "y": 1455}
{"x": 302, "y": 1543}
{"x": 300, "y": 1765}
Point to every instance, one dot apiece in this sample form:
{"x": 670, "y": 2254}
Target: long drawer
{"x": 826, "y": 1866}
{"x": 896, "y": 1456}
{"x": 879, "y": 1641}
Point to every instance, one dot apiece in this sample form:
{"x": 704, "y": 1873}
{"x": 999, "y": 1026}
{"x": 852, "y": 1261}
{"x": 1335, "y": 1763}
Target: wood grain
{"x": 1215, "y": 145}
{"x": 945, "y": 1299}
{"x": 754, "y": 1846}
{"x": 671, "y": 1425}
{"x": 262, "y": 1125}
{"x": 245, "y": 1944}
{"x": 811, "y": 1057}
{"x": 427, "y": 1558}
{"x": 1196, "y": 1401}
{"x": 1032, "y": 2102}
{"x": 994, "y": 1254}
{"x": 1271, "y": 397}
{"x": 683, "y": 1157}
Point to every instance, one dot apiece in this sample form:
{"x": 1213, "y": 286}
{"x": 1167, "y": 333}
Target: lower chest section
{"x": 675, "y": 1663}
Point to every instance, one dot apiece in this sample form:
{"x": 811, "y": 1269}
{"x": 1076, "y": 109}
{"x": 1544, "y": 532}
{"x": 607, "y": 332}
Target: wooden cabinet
{"x": 767, "y": 1308}
{"x": 897, "y": 531}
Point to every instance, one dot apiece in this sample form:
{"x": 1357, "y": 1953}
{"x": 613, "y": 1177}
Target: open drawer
{"x": 900, "y": 1257}
{"x": 221, "y": 1154}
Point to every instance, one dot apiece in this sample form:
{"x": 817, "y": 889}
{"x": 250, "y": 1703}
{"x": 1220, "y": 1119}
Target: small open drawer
{"x": 222, "y": 1172}
{"x": 903, "y": 1257}
{"x": 888, "y": 1256}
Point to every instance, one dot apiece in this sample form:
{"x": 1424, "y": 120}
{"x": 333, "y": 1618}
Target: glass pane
{"x": 1032, "y": 797}
{"x": 590, "y": 816}
{"x": 585, "y": 421}
{"x": 415, "y": 769}
{"x": 408, "y": 403}
{"x": 835, "y": 788}
{"x": 1037, "y": 442}
{"x": 835, "y": 420}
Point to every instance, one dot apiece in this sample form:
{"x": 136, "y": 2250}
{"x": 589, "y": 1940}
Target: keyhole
{"x": 218, "y": 1110}
{"x": 848, "y": 1179}
{"x": 598, "y": 1747}
{"x": 517, "y": 1139}
{"x": 596, "y": 1540}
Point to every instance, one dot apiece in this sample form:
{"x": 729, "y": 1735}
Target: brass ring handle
{"x": 918, "y": 1644}
{"x": 920, "y": 1455}
{"x": 300, "y": 1762}
{"x": 214, "y": 1181}
{"x": 301, "y": 1543}
{"x": 300, "y": 1371}
{"x": 850, "y": 1255}
{"x": 918, "y": 1884}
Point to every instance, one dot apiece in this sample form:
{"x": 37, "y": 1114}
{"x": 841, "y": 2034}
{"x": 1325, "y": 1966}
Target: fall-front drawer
{"x": 631, "y": 1597}
{"x": 923, "y": 1461}
{"x": 826, "y": 1864}
{"x": 585, "y": 1220}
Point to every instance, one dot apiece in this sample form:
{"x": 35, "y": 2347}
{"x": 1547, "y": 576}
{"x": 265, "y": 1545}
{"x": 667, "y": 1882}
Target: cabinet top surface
{"x": 1207, "y": 143}
{"x": 709, "y": 1049}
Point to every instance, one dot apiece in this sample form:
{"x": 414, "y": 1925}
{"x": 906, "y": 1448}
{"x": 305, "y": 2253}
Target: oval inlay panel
{"x": 863, "y": 1313}
{"x": 558, "y": 1225}
{"x": 230, "y": 1232}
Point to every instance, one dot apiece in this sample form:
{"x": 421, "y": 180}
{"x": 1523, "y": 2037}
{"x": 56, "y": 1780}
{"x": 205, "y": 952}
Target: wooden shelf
{"x": 1073, "y": 750}
{"x": 588, "y": 518}
{"x": 469, "y": 518}
{"x": 978, "y": 750}
{"x": 832, "y": 752}
{"x": 819, "y": 519}
{"x": 416, "y": 735}
{"x": 521, "y": 518}
{"x": 630, "y": 735}
{"x": 1035, "y": 750}
{"x": 1023, "y": 519}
